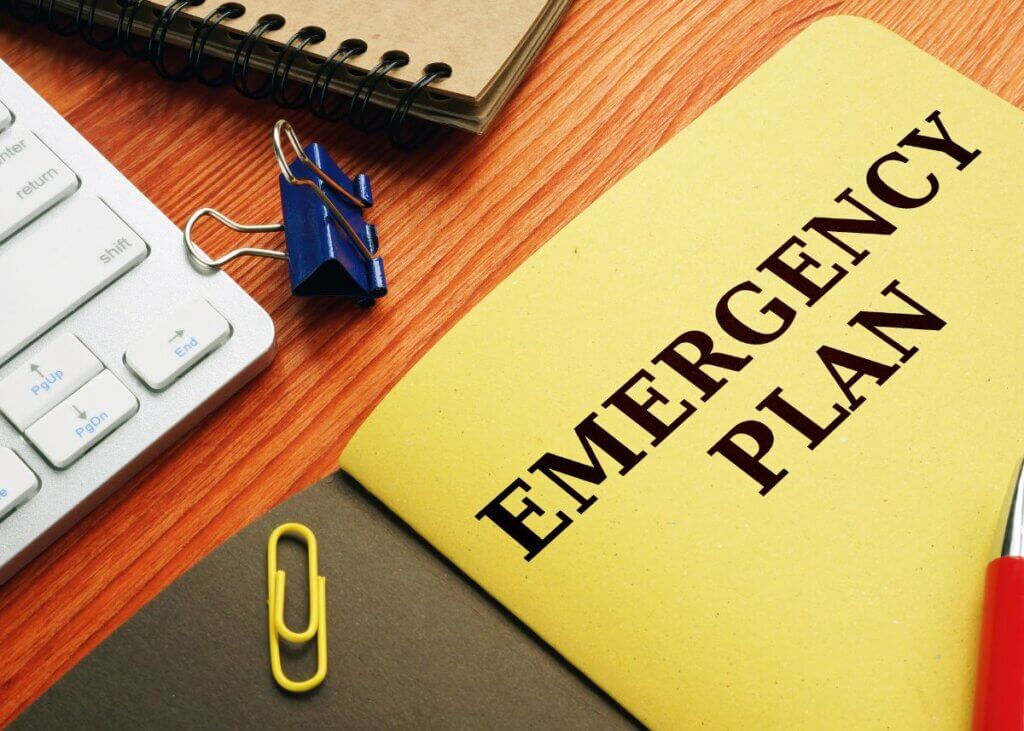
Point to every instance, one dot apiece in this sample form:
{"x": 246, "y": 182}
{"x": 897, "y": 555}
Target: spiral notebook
{"x": 375, "y": 62}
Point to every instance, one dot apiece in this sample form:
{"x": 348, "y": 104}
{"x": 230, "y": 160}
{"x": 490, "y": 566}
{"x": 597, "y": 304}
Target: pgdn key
{"x": 89, "y": 416}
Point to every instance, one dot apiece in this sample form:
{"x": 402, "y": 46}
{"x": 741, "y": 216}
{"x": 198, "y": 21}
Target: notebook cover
{"x": 558, "y": 448}
{"x": 411, "y": 644}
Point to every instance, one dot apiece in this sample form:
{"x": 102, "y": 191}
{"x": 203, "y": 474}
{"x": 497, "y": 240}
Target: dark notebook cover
{"x": 412, "y": 644}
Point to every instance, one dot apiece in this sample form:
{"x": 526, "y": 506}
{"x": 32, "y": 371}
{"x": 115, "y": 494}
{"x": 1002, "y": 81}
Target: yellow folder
{"x": 735, "y": 440}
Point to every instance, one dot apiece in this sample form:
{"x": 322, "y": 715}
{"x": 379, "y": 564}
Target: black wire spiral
{"x": 291, "y": 51}
{"x": 197, "y": 49}
{"x": 322, "y": 81}
{"x": 240, "y": 68}
{"x": 360, "y": 109}
{"x": 88, "y": 20}
{"x": 397, "y": 123}
{"x": 69, "y": 28}
{"x": 124, "y": 28}
{"x": 158, "y": 42}
{"x": 364, "y": 93}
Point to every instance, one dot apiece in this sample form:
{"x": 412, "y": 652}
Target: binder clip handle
{"x": 203, "y": 259}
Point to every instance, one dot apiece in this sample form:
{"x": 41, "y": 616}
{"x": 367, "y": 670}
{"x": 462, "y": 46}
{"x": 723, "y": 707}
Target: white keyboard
{"x": 111, "y": 344}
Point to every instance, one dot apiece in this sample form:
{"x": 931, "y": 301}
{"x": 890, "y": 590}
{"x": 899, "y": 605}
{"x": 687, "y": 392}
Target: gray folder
{"x": 412, "y": 643}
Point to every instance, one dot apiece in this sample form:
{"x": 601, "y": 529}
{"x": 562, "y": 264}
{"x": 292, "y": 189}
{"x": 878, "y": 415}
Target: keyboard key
{"x": 17, "y": 482}
{"x": 58, "y": 264}
{"x": 176, "y": 344}
{"x": 5, "y": 117}
{"x": 32, "y": 179}
{"x": 88, "y": 417}
{"x": 47, "y": 378}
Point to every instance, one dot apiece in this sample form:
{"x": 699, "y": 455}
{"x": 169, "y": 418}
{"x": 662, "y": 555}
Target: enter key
{"x": 177, "y": 344}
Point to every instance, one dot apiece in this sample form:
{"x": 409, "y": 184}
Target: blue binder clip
{"x": 330, "y": 248}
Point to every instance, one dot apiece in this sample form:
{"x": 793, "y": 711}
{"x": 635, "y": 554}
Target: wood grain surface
{"x": 616, "y": 81}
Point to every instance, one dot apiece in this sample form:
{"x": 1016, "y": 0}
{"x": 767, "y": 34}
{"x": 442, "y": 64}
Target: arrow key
{"x": 44, "y": 380}
{"x": 85, "y": 419}
{"x": 174, "y": 346}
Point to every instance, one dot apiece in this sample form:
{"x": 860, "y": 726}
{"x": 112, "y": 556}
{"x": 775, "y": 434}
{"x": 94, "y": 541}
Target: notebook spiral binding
{"x": 316, "y": 95}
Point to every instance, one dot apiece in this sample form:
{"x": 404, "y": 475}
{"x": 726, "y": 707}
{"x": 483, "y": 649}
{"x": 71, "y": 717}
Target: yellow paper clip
{"x": 275, "y": 610}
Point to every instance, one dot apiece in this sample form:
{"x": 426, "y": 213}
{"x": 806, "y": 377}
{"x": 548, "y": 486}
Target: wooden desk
{"x": 617, "y": 80}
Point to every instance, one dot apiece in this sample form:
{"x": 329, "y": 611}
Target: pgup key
{"x": 46, "y": 378}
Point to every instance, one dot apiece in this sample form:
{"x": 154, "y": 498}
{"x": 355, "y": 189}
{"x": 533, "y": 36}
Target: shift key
{"x": 32, "y": 179}
{"x": 59, "y": 263}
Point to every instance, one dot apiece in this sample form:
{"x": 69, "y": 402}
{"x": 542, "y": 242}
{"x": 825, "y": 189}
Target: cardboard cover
{"x": 479, "y": 39}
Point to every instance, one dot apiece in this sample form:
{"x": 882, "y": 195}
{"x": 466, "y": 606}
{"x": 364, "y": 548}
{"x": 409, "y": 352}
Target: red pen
{"x": 999, "y": 694}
